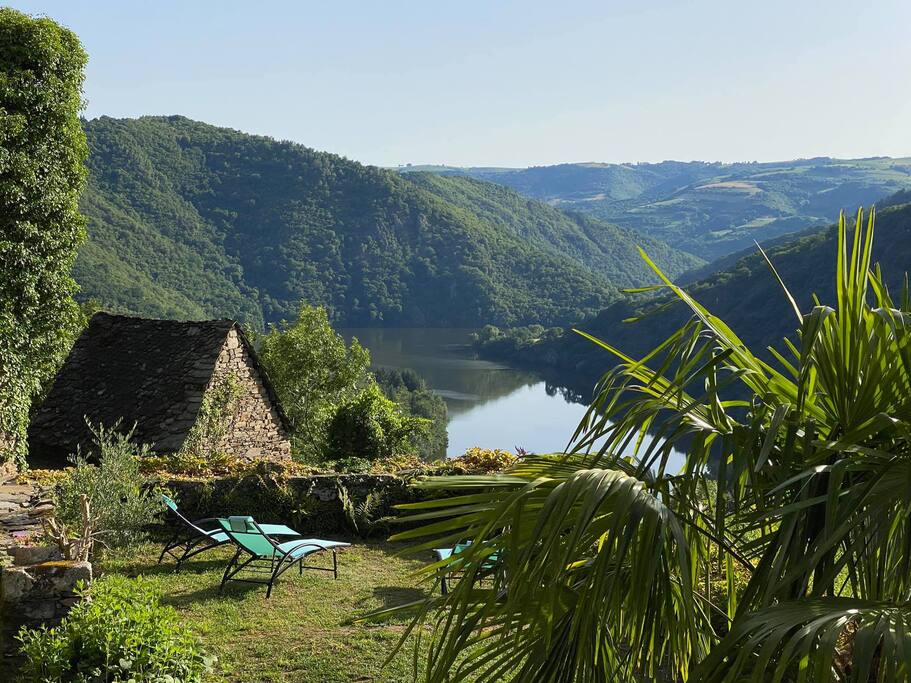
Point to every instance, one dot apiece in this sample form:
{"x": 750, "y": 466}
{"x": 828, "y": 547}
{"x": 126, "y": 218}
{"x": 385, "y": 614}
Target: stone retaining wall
{"x": 308, "y": 504}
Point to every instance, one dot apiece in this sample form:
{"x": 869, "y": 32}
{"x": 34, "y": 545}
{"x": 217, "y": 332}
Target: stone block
{"x": 34, "y": 554}
{"x": 48, "y": 580}
{"x": 38, "y": 610}
{"x": 16, "y": 584}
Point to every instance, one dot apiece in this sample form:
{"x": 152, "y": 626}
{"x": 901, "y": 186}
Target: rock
{"x": 39, "y": 610}
{"x": 48, "y": 580}
{"x": 8, "y": 471}
{"x": 34, "y": 554}
{"x": 16, "y": 584}
{"x": 18, "y": 489}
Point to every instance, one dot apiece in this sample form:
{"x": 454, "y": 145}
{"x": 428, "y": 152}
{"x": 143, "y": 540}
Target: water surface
{"x": 490, "y": 404}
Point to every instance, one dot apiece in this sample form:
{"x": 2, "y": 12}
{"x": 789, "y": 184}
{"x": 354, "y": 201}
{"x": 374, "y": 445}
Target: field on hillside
{"x": 711, "y": 209}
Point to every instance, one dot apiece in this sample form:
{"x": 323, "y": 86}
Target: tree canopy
{"x": 187, "y": 220}
{"x": 337, "y": 409}
{"x": 42, "y": 155}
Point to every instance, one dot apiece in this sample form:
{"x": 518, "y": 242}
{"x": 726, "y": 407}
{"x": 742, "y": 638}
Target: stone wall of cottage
{"x": 255, "y": 429}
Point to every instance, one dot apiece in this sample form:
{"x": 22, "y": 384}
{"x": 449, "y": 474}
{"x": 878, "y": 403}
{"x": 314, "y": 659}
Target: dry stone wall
{"x": 309, "y": 504}
{"x": 255, "y": 430}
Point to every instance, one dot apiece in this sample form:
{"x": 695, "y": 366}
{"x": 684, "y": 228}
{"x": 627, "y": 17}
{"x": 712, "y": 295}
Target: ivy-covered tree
{"x": 42, "y": 156}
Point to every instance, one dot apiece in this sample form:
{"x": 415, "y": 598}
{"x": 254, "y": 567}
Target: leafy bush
{"x": 187, "y": 464}
{"x": 120, "y": 499}
{"x": 351, "y": 465}
{"x": 373, "y": 427}
{"x": 119, "y": 632}
{"x": 401, "y": 463}
{"x": 478, "y": 460}
{"x": 408, "y": 389}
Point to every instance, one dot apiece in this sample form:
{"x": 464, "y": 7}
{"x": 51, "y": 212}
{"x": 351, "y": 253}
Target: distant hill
{"x": 745, "y": 295}
{"x": 708, "y": 209}
{"x": 602, "y": 247}
{"x": 187, "y": 220}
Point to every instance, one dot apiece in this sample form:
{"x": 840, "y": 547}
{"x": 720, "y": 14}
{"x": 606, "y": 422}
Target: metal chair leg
{"x": 170, "y": 545}
{"x": 227, "y": 574}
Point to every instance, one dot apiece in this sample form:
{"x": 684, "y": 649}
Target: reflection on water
{"x": 490, "y": 404}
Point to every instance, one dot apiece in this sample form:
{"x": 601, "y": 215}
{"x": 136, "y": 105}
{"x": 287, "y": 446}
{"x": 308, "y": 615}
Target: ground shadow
{"x": 393, "y": 596}
{"x": 155, "y": 569}
{"x": 232, "y": 591}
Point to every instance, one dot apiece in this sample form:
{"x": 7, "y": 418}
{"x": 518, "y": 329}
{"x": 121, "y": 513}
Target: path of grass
{"x": 300, "y": 633}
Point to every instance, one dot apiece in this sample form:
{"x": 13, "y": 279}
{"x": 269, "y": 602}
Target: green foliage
{"x": 187, "y": 220}
{"x": 410, "y": 391}
{"x": 515, "y": 342}
{"x": 42, "y": 150}
{"x": 336, "y": 409}
{"x": 363, "y": 517}
{"x": 742, "y": 294}
{"x": 118, "y": 632}
{"x": 477, "y": 460}
{"x": 608, "y": 563}
{"x": 313, "y": 373}
{"x": 372, "y": 427}
{"x": 193, "y": 464}
{"x": 709, "y": 209}
{"x": 122, "y": 502}
{"x": 212, "y": 422}
{"x": 606, "y": 249}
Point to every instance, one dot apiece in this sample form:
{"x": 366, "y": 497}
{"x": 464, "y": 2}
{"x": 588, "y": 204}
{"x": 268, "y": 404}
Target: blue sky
{"x": 513, "y": 84}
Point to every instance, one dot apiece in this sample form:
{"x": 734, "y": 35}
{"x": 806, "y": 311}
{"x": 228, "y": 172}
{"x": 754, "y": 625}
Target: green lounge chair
{"x": 268, "y": 557}
{"x": 489, "y": 568}
{"x": 192, "y": 538}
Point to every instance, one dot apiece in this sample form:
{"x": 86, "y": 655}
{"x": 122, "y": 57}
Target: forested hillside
{"x": 188, "y": 220}
{"x": 605, "y": 248}
{"x": 746, "y": 296}
{"x": 709, "y": 209}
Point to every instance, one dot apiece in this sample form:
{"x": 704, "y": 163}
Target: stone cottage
{"x": 161, "y": 375}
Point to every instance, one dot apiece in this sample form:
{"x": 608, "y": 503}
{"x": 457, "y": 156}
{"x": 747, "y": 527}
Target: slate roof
{"x": 149, "y": 372}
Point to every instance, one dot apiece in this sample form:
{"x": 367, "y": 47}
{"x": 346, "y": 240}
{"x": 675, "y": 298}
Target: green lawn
{"x": 302, "y": 632}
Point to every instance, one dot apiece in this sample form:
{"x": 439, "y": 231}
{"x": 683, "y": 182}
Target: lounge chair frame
{"x": 490, "y": 568}
{"x": 273, "y": 566}
{"x": 191, "y": 538}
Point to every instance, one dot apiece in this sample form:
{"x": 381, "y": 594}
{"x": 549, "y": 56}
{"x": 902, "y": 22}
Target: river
{"x": 490, "y": 404}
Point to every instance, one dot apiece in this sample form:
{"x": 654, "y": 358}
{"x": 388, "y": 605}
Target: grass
{"x": 303, "y": 632}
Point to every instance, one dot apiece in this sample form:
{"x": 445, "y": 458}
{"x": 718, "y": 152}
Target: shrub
{"x": 351, "y": 465}
{"x": 408, "y": 389}
{"x": 186, "y": 464}
{"x": 119, "y": 632}
{"x": 373, "y": 427}
{"x": 478, "y": 460}
{"x": 400, "y": 463}
{"x": 119, "y": 498}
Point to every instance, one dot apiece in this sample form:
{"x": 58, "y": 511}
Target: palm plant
{"x": 779, "y": 551}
